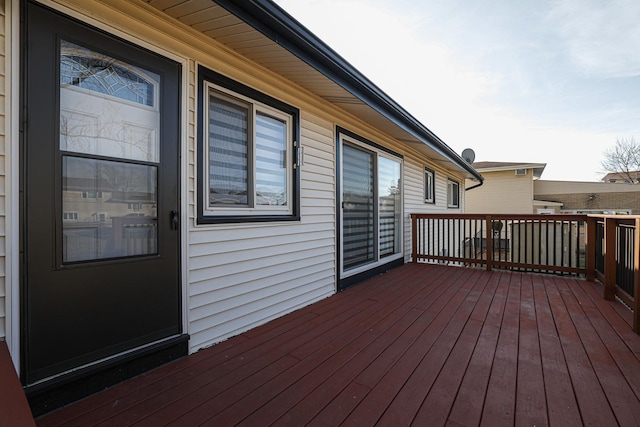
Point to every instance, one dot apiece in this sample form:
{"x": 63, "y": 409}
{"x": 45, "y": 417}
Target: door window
{"x": 122, "y": 222}
{"x": 109, "y": 138}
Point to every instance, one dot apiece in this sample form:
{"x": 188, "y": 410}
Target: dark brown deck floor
{"x": 427, "y": 345}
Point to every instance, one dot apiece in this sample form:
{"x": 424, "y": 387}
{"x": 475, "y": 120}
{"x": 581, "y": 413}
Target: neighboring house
{"x": 517, "y": 188}
{"x": 590, "y": 197}
{"x": 507, "y": 188}
{"x": 622, "y": 177}
{"x": 178, "y": 172}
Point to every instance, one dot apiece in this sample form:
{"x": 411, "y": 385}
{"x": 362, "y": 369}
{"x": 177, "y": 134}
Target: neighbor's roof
{"x": 263, "y": 32}
{"x": 538, "y": 168}
{"x": 621, "y": 175}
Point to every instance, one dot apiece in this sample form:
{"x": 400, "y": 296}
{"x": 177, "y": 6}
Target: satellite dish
{"x": 468, "y": 155}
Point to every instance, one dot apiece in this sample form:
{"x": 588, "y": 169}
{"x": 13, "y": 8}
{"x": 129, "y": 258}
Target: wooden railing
{"x": 620, "y": 273}
{"x": 599, "y": 247}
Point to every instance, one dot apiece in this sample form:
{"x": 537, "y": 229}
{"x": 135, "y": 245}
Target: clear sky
{"x": 544, "y": 81}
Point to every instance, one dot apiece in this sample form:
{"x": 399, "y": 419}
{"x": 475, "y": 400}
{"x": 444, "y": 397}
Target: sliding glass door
{"x": 371, "y": 206}
{"x": 358, "y": 213}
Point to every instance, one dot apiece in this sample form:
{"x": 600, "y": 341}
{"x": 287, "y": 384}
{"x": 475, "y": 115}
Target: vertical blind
{"x": 389, "y": 206}
{"x": 358, "y": 207}
{"x": 228, "y": 153}
{"x": 271, "y": 158}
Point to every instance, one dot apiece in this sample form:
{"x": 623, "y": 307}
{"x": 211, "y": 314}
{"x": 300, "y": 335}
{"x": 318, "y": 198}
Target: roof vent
{"x": 520, "y": 172}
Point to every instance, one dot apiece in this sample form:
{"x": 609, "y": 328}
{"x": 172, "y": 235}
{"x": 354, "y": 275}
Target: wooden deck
{"x": 421, "y": 344}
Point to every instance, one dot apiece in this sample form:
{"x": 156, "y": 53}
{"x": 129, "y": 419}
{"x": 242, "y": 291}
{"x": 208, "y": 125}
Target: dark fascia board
{"x": 276, "y": 24}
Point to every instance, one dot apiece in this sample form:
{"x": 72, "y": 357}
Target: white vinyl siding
{"x": 414, "y": 194}
{"x": 243, "y": 275}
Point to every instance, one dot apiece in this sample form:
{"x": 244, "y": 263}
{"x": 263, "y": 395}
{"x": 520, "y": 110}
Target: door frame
{"x": 16, "y": 267}
{"x": 343, "y": 281}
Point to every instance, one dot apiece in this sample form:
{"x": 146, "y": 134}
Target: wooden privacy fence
{"x": 602, "y": 247}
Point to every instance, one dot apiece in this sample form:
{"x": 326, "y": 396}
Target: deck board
{"x": 423, "y": 344}
{"x": 531, "y": 405}
{"x": 623, "y": 401}
{"x": 499, "y": 406}
{"x": 562, "y": 407}
{"x": 591, "y": 398}
{"x": 469, "y": 401}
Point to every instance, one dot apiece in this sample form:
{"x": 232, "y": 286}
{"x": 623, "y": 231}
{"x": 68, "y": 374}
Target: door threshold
{"x": 55, "y": 392}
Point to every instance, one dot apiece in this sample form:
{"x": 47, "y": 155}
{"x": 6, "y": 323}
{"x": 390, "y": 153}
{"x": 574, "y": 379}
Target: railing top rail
{"x": 537, "y": 217}
{"x": 618, "y": 219}
{"x": 614, "y": 216}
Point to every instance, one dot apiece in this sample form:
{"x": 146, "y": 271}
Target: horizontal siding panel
{"x": 223, "y": 247}
{"x": 214, "y": 291}
{"x": 318, "y": 156}
{"x": 318, "y": 185}
{"x": 319, "y": 198}
{"x": 205, "y": 334}
{"x": 252, "y": 231}
{"x": 257, "y": 253}
{"x": 311, "y": 197}
{"x": 320, "y": 217}
{"x": 257, "y": 269}
{"x": 318, "y": 173}
{"x": 231, "y": 297}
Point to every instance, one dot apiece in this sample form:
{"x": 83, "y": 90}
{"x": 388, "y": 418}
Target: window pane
{"x": 390, "y": 206}
{"x": 429, "y": 186}
{"x": 358, "y": 208}
{"x": 271, "y": 161}
{"x": 106, "y": 106}
{"x": 228, "y": 153}
{"x": 456, "y": 195}
{"x": 109, "y": 209}
{"x": 453, "y": 194}
{"x": 102, "y": 74}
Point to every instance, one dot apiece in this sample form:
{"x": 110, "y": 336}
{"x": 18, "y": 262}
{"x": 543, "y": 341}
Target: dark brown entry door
{"x": 101, "y": 168}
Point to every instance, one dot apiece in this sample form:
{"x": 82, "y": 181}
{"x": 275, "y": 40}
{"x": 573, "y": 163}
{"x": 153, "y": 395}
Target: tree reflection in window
{"x": 99, "y": 73}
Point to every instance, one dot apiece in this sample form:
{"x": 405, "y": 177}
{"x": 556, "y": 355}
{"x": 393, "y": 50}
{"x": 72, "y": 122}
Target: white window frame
{"x": 453, "y": 188}
{"x": 429, "y": 185}
{"x": 254, "y": 108}
{"x": 90, "y": 194}
{"x": 70, "y": 216}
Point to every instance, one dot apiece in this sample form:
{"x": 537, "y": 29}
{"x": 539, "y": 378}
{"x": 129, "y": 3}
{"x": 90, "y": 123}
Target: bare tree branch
{"x": 623, "y": 158}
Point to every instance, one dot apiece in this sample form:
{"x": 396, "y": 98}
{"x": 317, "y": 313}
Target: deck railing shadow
{"x": 596, "y": 247}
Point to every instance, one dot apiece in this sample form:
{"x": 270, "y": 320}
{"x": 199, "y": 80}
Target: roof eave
{"x": 276, "y": 24}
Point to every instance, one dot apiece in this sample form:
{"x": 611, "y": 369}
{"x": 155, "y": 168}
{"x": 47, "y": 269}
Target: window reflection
{"x": 107, "y": 107}
{"x": 89, "y": 70}
{"x": 109, "y": 209}
{"x": 390, "y": 206}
